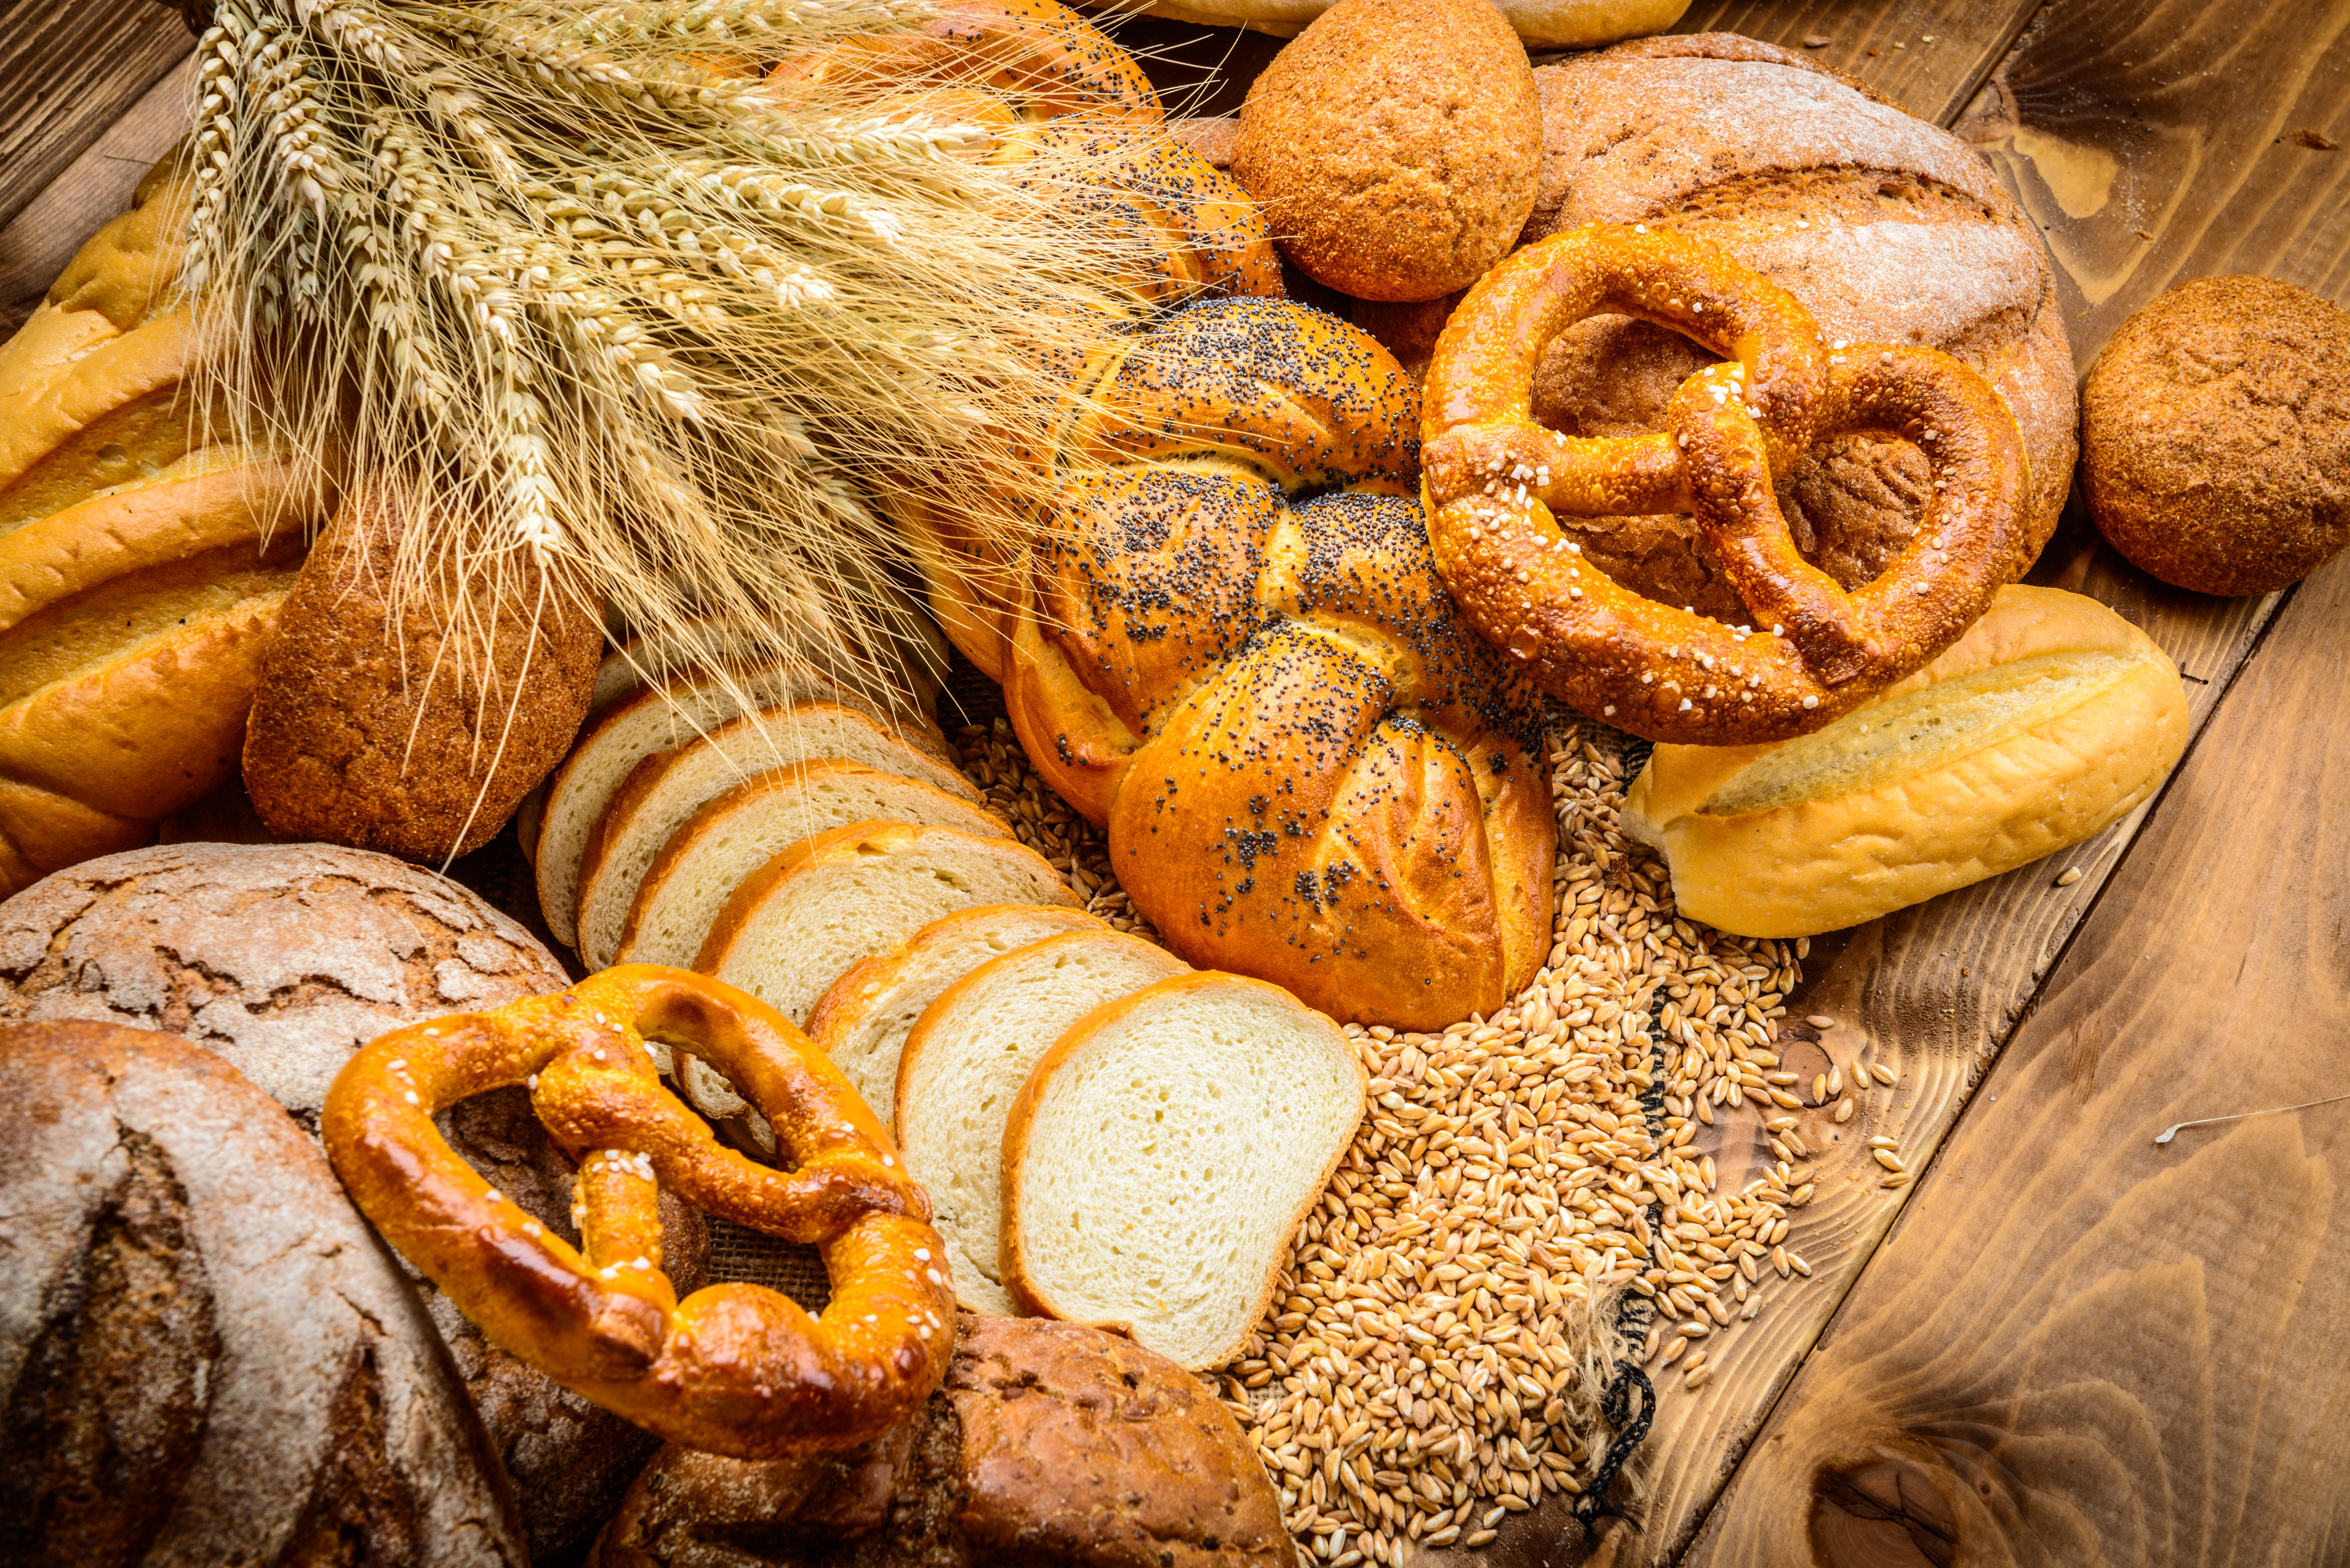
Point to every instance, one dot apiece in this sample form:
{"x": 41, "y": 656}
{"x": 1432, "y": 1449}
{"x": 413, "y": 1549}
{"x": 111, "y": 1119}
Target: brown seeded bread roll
{"x": 140, "y": 576}
{"x": 205, "y": 1356}
{"x": 1048, "y": 1443}
{"x": 284, "y": 960}
{"x": 2215, "y": 435}
{"x": 1395, "y": 146}
{"x": 2049, "y": 718}
{"x": 414, "y": 729}
{"x": 1887, "y": 229}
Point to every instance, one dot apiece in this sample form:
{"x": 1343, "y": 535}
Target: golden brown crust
{"x": 2215, "y": 435}
{"x": 390, "y": 728}
{"x": 736, "y": 1369}
{"x": 1043, "y": 60}
{"x": 1394, "y": 145}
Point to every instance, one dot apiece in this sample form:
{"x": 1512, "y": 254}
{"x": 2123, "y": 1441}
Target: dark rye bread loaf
{"x": 205, "y": 1357}
{"x": 1048, "y": 1443}
{"x": 284, "y": 959}
{"x": 1887, "y": 229}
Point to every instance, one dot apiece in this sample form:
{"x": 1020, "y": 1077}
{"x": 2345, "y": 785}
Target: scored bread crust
{"x": 728, "y": 953}
{"x": 1030, "y": 1295}
{"x": 2083, "y": 758}
{"x": 666, "y": 788}
{"x": 862, "y": 1021}
{"x": 953, "y": 1024}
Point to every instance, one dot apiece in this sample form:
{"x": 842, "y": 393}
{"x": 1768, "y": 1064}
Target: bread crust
{"x": 1395, "y": 146}
{"x": 1819, "y": 865}
{"x": 1539, "y": 24}
{"x": 2215, "y": 435}
{"x": 1025, "y": 1292}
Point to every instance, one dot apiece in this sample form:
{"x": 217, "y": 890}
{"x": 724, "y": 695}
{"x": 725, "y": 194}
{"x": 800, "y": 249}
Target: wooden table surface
{"x": 2060, "y": 1344}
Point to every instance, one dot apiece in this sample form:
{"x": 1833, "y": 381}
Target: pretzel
{"x": 734, "y": 1368}
{"x": 1492, "y": 479}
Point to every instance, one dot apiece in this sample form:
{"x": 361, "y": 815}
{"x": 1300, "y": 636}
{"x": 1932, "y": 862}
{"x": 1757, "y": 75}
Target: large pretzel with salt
{"x": 734, "y": 1368}
{"x": 1492, "y": 479}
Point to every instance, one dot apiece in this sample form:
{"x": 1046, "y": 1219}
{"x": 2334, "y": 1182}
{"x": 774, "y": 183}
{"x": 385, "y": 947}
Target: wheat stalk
{"x": 633, "y": 323}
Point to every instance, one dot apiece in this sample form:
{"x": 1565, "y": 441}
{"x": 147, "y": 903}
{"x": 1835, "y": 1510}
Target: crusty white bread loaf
{"x": 966, "y": 1063}
{"x": 1164, "y": 1152}
{"x": 862, "y": 1021}
{"x": 656, "y": 720}
{"x": 802, "y": 919}
{"x": 2051, "y": 718}
{"x": 665, "y": 789}
{"x": 731, "y": 836}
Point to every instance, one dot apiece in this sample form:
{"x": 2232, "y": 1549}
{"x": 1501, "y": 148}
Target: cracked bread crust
{"x": 1048, "y": 1442}
{"x": 284, "y": 959}
{"x": 1886, "y": 228}
{"x": 205, "y": 1356}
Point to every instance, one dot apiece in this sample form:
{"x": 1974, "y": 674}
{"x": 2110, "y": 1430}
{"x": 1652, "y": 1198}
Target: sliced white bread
{"x": 1159, "y": 1159}
{"x": 862, "y": 1021}
{"x": 722, "y": 845}
{"x": 802, "y": 920}
{"x": 656, "y": 719}
{"x": 964, "y": 1065}
{"x": 663, "y": 791}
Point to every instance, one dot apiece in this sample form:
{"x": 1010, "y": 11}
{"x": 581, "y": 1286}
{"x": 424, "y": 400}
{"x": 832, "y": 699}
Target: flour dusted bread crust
{"x": 735, "y": 833}
{"x": 2215, "y": 435}
{"x": 2049, "y": 720}
{"x": 140, "y": 575}
{"x": 1164, "y": 1151}
{"x": 862, "y": 1021}
{"x": 828, "y": 902}
{"x": 1048, "y": 1442}
{"x": 1395, "y": 146}
{"x": 1886, "y": 228}
{"x": 662, "y": 792}
{"x": 205, "y": 1356}
{"x": 966, "y": 1061}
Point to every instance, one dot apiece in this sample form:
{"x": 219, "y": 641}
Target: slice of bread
{"x": 862, "y": 1021}
{"x": 663, "y": 791}
{"x": 802, "y": 919}
{"x": 658, "y": 719}
{"x": 731, "y": 836}
{"x": 964, "y": 1065}
{"x": 1162, "y": 1154}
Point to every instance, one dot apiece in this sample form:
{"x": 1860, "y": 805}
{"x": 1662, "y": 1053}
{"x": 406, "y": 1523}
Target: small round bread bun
{"x": 1395, "y": 146}
{"x": 2215, "y": 435}
{"x": 1541, "y": 24}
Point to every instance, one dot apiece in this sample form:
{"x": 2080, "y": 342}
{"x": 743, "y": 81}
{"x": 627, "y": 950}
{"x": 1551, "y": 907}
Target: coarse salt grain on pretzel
{"x": 734, "y": 1368}
{"x": 1492, "y": 480}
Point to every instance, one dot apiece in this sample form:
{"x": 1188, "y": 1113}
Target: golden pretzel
{"x": 1492, "y": 479}
{"x": 735, "y": 1368}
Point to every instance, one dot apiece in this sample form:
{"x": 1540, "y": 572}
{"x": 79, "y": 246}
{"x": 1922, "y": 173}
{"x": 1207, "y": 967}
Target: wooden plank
{"x": 35, "y": 247}
{"x": 68, "y": 72}
{"x": 2080, "y": 1347}
{"x": 1929, "y": 58}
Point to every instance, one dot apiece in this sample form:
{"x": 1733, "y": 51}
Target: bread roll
{"x": 143, "y": 567}
{"x": 2049, "y": 718}
{"x": 1539, "y": 24}
{"x": 205, "y": 1355}
{"x": 1048, "y": 1442}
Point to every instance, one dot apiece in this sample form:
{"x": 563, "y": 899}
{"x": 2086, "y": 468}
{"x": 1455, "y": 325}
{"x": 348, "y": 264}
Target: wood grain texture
{"x": 66, "y": 72}
{"x": 1928, "y": 58}
{"x": 2079, "y": 1348}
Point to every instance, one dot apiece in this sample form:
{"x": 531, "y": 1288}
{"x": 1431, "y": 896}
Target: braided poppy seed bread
{"x": 1312, "y": 768}
{"x": 1886, "y": 228}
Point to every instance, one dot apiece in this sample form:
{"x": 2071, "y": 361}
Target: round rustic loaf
{"x": 1539, "y": 24}
{"x": 284, "y": 959}
{"x": 1886, "y": 228}
{"x": 2215, "y": 435}
{"x": 1048, "y": 1442}
{"x": 1395, "y": 146}
{"x": 204, "y": 1354}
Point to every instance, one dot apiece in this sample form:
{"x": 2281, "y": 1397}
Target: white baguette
{"x": 664, "y": 790}
{"x": 1163, "y": 1154}
{"x": 964, "y": 1065}
{"x": 862, "y": 1022}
